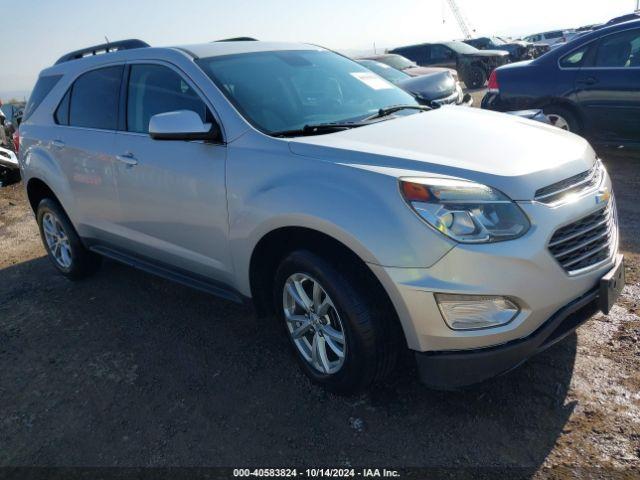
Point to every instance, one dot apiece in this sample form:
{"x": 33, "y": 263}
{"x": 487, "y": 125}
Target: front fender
{"x": 360, "y": 208}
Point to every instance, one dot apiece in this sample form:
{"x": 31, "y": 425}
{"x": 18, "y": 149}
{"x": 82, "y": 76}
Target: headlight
{"x": 468, "y": 212}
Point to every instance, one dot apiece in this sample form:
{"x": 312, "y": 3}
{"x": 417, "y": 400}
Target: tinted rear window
{"x": 44, "y": 85}
{"x": 94, "y": 99}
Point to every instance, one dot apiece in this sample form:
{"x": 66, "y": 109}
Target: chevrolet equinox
{"x": 294, "y": 177}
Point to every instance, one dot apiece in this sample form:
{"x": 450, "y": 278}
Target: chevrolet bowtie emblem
{"x": 603, "y": 196}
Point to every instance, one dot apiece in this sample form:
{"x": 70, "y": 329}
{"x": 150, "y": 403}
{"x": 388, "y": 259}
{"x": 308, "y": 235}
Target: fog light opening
{"x": 475, "y": 312}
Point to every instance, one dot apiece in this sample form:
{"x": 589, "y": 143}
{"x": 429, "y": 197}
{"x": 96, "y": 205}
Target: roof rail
{"x": 104, "y": 48}
{"x": 237, "y": 39}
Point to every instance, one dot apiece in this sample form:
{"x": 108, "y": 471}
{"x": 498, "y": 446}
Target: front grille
{"x": 569, "y": 187}
{"x": 453, "y": 98}
{"x": 586, "y": 242}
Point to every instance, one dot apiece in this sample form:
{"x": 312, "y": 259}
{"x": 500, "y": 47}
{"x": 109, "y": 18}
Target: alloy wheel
{"x": 558, "y": 121}
{"x": 314, "y": 324}
{"x": 57, "y": 240}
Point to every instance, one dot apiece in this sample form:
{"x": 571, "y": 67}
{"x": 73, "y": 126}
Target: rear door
{"x": 172, "y": 192}
{"x": 608, "y": 88}
{"x": 84, "y": 146}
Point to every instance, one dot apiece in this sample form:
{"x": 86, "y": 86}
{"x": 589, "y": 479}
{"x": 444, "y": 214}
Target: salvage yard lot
{"x": 130, "y": 370}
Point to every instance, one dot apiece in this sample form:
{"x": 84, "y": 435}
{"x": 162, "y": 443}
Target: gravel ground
{"x": 125, "y": 369}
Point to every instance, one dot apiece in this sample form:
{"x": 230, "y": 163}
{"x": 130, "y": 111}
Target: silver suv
{"x": 294, "y": 177}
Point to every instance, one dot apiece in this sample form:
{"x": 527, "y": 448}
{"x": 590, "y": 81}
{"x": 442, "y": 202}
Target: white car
{"x": 551, "y": 38}
{"x": 293, "y": 177}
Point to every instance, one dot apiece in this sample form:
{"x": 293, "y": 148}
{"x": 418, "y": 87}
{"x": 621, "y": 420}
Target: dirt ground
{"x": 125, "y": 369}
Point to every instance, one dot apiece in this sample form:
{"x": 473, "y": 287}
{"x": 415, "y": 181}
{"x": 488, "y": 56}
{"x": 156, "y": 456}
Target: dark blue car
{"x": 590, "y": 86}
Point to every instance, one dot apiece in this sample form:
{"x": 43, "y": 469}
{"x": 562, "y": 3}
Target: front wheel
{"x": 342, "y": 335}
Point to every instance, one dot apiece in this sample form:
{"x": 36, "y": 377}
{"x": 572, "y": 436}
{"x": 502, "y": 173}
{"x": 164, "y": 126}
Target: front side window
{"x": 286, "y": 90}
{"x": 621, "y": 50}
{"x": 157, "y": 89}
{"x": 440, "y": 52}
{"x": 94, "y": 99}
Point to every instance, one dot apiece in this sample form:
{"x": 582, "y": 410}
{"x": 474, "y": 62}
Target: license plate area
{"x": 611, "y": 286}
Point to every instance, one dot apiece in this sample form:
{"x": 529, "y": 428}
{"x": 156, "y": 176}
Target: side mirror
{"x": 181, "y": 125}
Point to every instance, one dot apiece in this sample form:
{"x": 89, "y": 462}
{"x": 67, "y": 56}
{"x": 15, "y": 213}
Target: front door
{"x": 172, "y": 192}
{"x": 608, "y": 88}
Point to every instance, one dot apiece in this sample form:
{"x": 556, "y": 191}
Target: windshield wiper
{"x": 383, "y": 112}
{"x": 316, "y": 129}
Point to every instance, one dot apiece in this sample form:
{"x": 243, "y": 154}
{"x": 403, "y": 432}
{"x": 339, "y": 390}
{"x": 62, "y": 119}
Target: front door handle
{"x": 128, "y": 159}
{"x": 57, "y": 143}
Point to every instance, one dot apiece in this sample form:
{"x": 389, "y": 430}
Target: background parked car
{"x": 473, "y": 65}
{"x": 518, "y": 49}
{"x": 551, "y": 38}
{"x": 589, "y": 86}
{"x": 407, "y": 66}
{"x": 433, "y": 89}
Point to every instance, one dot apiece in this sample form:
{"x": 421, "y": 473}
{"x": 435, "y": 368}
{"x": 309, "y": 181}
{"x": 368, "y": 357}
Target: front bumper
{"x": 523, "y": 270}
{"x": 455, "y": 369}
{"x": 8, "y": 159}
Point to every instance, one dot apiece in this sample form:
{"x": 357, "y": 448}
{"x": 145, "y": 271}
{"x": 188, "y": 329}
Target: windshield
{"x": 461, "y": 47}
{"x": 397, "y": 61}
{"x": 288, "y": 90}
{"x": 497, "y": 41}
{"x": 385, "y": 71}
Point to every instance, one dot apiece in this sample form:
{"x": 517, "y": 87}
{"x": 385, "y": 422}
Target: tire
{"x": 369, "y": 329}
{"x": 64, "y": 247}
{"x": 562, "y": 118}
{"x": 476, "y": 78}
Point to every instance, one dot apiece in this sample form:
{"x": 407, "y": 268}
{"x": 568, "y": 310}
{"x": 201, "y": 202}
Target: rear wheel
{"x": 344, "y": 338}
{"x": 562, "y": 118}
{"x": 476, "y": 77}
{"x": 62, "y": 243}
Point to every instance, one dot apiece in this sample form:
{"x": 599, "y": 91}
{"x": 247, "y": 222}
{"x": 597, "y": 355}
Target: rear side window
{"x": 157, "y": 89}
{"x": 94, "y": 99}
{"x": 62, "y": 112}
{"x": 44, "y": 85}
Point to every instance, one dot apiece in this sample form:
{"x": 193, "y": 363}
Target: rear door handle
{"x": 128, "y": 159}
{"x": 57, "y": 143}
{"x": 588, "y": 81}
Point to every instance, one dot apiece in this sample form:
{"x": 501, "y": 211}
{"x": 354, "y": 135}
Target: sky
{"x": 49, "y": 28}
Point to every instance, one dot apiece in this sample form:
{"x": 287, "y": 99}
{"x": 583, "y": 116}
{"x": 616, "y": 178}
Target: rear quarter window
{"x": 574, "y": 59}
{"x": 43, "y": 87}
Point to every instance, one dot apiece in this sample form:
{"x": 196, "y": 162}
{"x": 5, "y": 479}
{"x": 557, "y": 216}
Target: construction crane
{"x": 457, "y": 13}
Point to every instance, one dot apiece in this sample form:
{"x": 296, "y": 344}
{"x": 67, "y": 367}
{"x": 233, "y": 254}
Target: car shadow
{"x": 128, "y": 369}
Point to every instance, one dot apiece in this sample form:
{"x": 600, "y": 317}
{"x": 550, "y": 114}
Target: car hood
{"x": 430, "y": 87}
{"x": 514, "y": 155}
{"x": 487, "y": 53}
